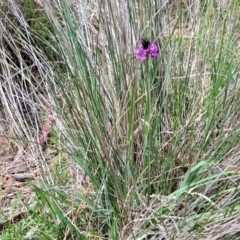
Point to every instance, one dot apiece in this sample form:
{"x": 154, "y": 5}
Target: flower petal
{"x": 140, "y": 52}
{"x": 153, "y": 49}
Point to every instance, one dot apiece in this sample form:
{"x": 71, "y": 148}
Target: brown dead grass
{"x": 17, "y": 169}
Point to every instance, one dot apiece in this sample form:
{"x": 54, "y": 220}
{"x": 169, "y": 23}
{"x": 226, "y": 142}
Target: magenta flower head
{"x": 153, "y": 49}
{"x": 144, "y": 48}
{"x": 141, "y": 50}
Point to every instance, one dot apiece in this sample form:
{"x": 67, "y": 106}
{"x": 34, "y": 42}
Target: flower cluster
{"x": 144, "y": 48}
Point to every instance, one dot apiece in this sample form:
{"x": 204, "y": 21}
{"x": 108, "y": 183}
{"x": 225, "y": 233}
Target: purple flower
{"x": 140, "y": 51}
{"x": 153, "y": 49}
{"x": 144, "y": 48}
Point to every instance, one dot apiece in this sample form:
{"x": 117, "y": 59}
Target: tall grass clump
{"x": 25, "y": 52}
{"x": 157, "y": 140}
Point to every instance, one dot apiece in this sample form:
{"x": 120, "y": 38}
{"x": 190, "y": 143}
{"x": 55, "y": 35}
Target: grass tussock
{"x": 140, "y": 149}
